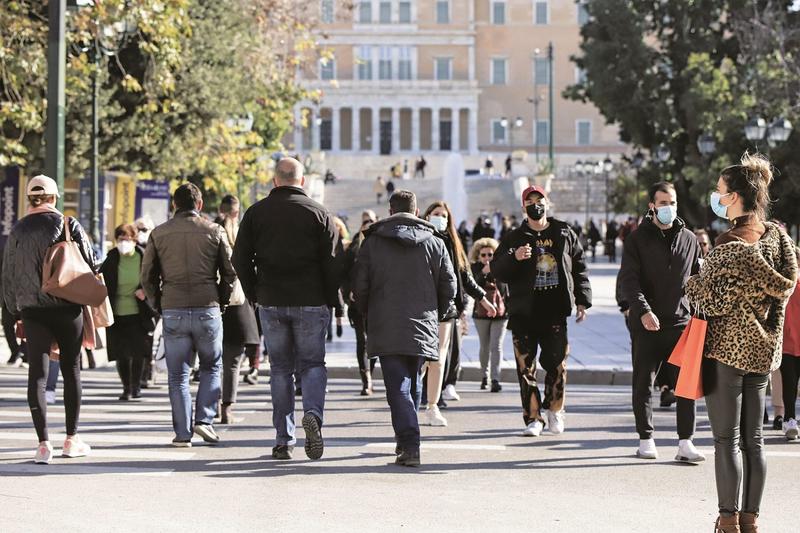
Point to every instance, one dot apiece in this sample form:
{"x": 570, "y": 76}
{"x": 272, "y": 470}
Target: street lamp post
{"x": 550, "y": 100}
{"x": 586, "y": 169}
{"x": 637, "y": 162}
{"x": 518, "y": 123}
{"x": 608, "y": 166}
{"x": 536, "y": 100}
{"x": 777, "y": 132}
{"x": 56, "y": 67}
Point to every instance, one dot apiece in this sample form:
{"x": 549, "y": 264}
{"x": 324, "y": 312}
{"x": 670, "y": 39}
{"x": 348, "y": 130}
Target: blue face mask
{"x": 440, "y": 223}
{"x": 720, "y": 210}
{"x": 667, "y": 214}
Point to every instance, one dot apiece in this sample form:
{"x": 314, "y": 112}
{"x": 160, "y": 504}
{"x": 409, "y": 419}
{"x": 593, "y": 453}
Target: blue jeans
{"x": 187, "y": 330}
{"x": 403, "y": 383}
{"x": 295, "y": 339}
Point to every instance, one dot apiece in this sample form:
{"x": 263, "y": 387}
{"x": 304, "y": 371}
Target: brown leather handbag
{"x": 67, "y": 275}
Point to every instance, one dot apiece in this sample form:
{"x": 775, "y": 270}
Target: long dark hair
{"x": 750, "y": 179}
{"x": 458, "y": 248}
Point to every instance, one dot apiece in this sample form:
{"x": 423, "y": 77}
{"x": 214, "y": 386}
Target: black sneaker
{"x": 777, "y": 423}
{"x": 206, "y": 431}
{"x": 484, "y": 383}
{"x": 136, "y": 394}
{"x": 442, "y": 404}
{"x": 407, "y": 458}
{"x": 298, "y": 391}
{"x": 125, "y": 396}
{"x": 496, "y": 387}
{"x": 314, "y": 444}
{"x": 667, "y": 398}
{"x": 282, "y": 452}
{"x": 397, "y": 449}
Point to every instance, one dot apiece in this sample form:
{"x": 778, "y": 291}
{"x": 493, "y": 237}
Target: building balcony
{"x": 427, "y": 88}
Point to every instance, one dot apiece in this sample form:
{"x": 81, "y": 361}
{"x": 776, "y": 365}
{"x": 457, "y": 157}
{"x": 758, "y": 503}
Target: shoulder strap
{"x": 67, "y": 235}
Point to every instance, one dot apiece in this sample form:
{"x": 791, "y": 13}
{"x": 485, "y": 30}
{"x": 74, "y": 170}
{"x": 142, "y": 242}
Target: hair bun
{"x": 757, "y": 167}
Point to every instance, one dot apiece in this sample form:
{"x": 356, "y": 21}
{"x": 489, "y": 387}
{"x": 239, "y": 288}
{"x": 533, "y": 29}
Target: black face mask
{"x": 535, "y": 211}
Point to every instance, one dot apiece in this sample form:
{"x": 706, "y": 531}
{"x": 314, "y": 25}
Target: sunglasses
{"x": 490, "y": 254}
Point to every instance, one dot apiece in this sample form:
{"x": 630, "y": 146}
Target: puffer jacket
{"x": 187, "y": 263}
{"x": 404, "y": 283}
{"x": 742, "y": 289}
{"x": 23, "y": 259}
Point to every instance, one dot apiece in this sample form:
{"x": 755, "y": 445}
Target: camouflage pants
{"x": 551, "y": 343}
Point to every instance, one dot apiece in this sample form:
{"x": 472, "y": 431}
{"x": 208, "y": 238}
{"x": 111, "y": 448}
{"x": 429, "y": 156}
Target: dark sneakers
{"x": 407, "y": 458}
{"x": 484, "y": 383}
{"x": 496, "y": 387}
{"x": 314, "y": 444}
{"x": 282, "y": 452}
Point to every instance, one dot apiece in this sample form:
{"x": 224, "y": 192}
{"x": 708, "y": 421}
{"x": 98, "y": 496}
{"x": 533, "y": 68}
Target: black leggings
{"x": 63, "y": 325}
{"x": 735, "y": 402}
{"x": 790, "y": 374}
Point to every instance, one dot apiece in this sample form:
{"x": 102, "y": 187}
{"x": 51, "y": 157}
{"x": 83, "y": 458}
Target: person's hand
{"x": 487, "y": 268}
{"x": 650, "y": 321}
{"x": 491, "y": 310}
{"x": 139, "y": 295}
{"x": 523, "y": 252}
{"x": 580, "y": 314}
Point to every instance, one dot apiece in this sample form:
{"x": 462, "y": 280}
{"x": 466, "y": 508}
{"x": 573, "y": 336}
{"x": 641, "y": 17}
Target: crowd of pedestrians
{"x": 408, "y": 282}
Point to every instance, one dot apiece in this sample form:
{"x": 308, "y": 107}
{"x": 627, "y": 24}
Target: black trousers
{"x": 651, "y": 349}
{"x": 130, "y": 345}
{"x": 231, "y": 363}
{"x": 453, "y": 364}
{"x": 63, "y": 325}
{"x": 736, "y": 400}
{"x": 359, "y": 327}
{"x": 790, "y": 374}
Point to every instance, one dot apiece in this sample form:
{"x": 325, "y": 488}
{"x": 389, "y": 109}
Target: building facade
{"x": 400, "y": 78}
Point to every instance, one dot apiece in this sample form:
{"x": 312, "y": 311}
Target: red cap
{"x": 533, "y": 189}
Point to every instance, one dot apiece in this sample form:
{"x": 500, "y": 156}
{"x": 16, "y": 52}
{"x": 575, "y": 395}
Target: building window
{"x": 542, "y": 133}
{"x": 365, "y": 12}
{"x": 541, "y": 71}
{"x": 498, "y": 12}
{"x": 364, "y": 63}
{"x": 498, "y": 132}
{"x": 327, "y": 69}
{"x": 326, "y": 8}
{"x": 404, "y": 12}
{"x": 385, "y": 12}
{"x": 583, "y": 132}
{"x": 442, "y": 12}
{"x": 583, "y": 13}
{"x": 580, "y": 76}
{"x": 326, "y": 134}
{"x": 443, "y": 68}
{"x": 404, "y": 63}
{"x": 541, "y": 13}
{"x": 385, "y": 63}
{"x": 499, "y": 71}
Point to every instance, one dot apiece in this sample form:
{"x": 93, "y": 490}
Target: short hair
{"x": 227, "y": 204}
{"x": 480, "y": 244}
{"x": 289, "y": 170}
{"x": 187, "y": 197}
{"x": 126, "y": 230}
{"x": 661, "y": 186}
{"x": 403, "y": 201}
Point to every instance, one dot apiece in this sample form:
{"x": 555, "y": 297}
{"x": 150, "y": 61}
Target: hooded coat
{"x": 404, "y": 283}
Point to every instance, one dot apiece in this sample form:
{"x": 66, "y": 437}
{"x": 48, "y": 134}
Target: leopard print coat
{"x": 743, "y": 289}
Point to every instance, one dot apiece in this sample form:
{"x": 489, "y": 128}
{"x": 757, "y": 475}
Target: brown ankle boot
{"x": 727, "y": 524}
{"x": 747, "y": 522}
{"x": 227, "y": 414}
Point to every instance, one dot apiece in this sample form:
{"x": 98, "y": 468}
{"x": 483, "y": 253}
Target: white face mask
{"x": 440, "y": 223}
{"x": 126, "y": 247}
{"x": 141, "y": 238}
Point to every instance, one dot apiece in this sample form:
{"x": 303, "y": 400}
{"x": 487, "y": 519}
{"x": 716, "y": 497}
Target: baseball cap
{"x": 41, "y": 185}
{"x": 533, "y": 189}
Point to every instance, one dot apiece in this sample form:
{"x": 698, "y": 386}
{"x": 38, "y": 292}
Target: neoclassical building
{"x": 407, "y": 77}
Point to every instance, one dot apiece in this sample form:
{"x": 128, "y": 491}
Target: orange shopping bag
{"x": 688, "y": 355}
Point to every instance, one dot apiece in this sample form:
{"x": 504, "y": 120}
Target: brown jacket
{"x": 743, "y": 289}
{"x": 746, "y": 228}
{"x": 187, "y": 263}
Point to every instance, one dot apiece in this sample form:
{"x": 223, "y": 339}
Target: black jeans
{"x": 403, "y": 392}
{"x": 790, "y": 374}
{"x": 651, "y": 349}
{"x": 130, "y": 345}
{"x": 63, "y": 325}
{"x": 736, "y": 400}
{"x": 365, "y": 364}
{"x": 231, "y": 362}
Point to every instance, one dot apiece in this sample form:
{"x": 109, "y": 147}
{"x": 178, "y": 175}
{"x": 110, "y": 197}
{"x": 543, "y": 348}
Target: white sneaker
{"x": 75, "y": 447}
{"x": 534, "y": 429}
{"x": 555, "y": 421}
{"x": 449, "y": 394}
{"x": 50, "y": 397}
{"x": 43, "y": 453}
{"x": 687, "y": 453}
{"x": 647, "y": 449}
{"x": 435, "y": 417}
{"x": 790, "y": 429}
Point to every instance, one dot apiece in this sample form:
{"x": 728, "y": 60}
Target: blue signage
{"x": 152, "y": 200}
{"x": 9, "y": 203}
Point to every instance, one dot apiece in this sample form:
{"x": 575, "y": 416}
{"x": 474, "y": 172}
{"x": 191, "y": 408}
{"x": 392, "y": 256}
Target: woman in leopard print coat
{"x": 742, "y": 289}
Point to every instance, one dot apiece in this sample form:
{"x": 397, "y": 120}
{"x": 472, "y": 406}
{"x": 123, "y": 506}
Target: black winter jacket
{"x": 23, "y": 259}
{"x": 110, "y": 271}
{"x": 404, "y": 283}
{"x": 465, "y": 283}
{"x": 285, "y": 251}
{"x": 520, "y": 275}
{"x": 482, "y": 280}
{"x": 655, "y": 266}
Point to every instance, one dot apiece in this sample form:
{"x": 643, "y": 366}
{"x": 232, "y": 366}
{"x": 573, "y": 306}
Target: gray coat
{"x": 404, "y": 283}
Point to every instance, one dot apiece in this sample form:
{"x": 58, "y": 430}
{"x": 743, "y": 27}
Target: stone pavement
{"x": 477, "y": 474}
